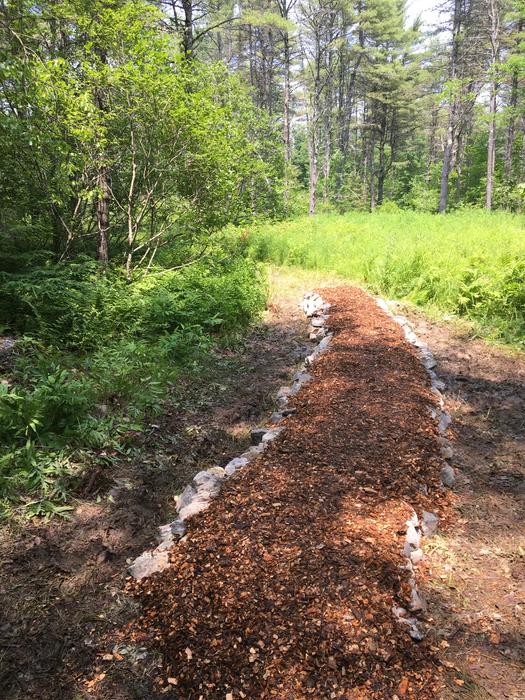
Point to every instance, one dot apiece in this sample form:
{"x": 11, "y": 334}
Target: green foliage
{"x": 102, "y": 358}
{"x": 470, "y": 263}
{"x": 100, "y": 91}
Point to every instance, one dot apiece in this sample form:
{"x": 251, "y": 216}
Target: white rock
{"x": 209, "y": 476}
{"x": 149, "y": 563}
{"x": 448, "y": 476}
{"x": 429, "y": 523}
{"x": 235, "y": 464}
{"x": 186, "y": 497}
{"x": 416, "y": 556}
{"x": 196, "y": 506}
{"x": 417, "y": 602}
{"x": 413, "y": 536}
{"x": 271, "y": 434}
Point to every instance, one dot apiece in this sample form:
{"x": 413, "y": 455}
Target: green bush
{"x": 100, "y": 357}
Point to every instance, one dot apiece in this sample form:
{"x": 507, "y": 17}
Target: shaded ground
{"x": 61, "y": 583}
{"x": 477, "y": 586}
{"x": 284, "y": 588}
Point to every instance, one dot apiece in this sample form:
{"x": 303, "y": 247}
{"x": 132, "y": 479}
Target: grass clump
{"x": 470, "y": 263}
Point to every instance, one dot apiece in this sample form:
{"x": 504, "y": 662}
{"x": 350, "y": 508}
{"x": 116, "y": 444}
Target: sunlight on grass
{"x": 469, "y": 264}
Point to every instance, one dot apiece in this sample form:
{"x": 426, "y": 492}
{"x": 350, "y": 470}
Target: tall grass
{"x": 469, "y": 263}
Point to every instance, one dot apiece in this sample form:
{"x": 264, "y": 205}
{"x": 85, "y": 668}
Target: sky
{"x": 427, "y": 8}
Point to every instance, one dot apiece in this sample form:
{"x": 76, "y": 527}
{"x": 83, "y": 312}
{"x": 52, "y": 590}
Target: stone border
{"x": 206, "y": 485}
{"x": 427, "y": 526}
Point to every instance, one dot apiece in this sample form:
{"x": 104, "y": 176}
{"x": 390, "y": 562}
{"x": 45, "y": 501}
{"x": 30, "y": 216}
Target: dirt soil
{"x": 284, "y": 588}
{"x": 323, "y": 566}
{"x": 61, "y": 582}
{"x": 476, "y": 590}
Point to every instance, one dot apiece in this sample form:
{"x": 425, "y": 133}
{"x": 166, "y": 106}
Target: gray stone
{"x": 302, "y": 377}
{"x": 417, "y": 602}
{"x": 196, "y": 506}
{"x": 448, "y": 476}
{"x": 416, "y": 556}
{"x": 445, "y": 419}
{"x": 186, "y": 497}
{"x": 429, "y": 361}
{"x": 325, "y": 342}
{"x": 318, "y": 321}
{"x": 234, "y": 465}
{"x": 256, "y": 435}
{"x": 414, "y": 631}
{"x": 316, "y": 333}
{"x": 253, "y": 452}
{"x": 149, "y": 563}
{"x": 178, "y": 528}
{"x": 447, "y": 452}
{"x": 271, "y": 434}
{"x": 429, "y": 523}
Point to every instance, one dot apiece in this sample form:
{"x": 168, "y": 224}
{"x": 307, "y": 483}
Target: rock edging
{"x": 206, "y": 485}
{"x": 426, "y": 526}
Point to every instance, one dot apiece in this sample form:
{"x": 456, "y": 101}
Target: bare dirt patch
{"x": 61, "y": 582}
{"x": 477, "y": 585}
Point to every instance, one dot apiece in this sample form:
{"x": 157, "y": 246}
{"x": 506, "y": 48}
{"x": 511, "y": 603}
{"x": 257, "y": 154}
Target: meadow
{"x": 469, "y": 264}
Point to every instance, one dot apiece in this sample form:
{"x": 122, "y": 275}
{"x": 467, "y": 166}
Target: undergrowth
{"x": 470, "y": 264}
{"x": 96, "y": 358}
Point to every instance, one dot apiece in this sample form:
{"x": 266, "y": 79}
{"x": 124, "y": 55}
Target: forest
{"x": 155, "y": 154}
{"x": 262, "y": 349}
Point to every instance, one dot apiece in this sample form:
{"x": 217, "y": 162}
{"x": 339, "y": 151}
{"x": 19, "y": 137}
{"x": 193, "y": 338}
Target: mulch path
{"x": 284, "y": 587}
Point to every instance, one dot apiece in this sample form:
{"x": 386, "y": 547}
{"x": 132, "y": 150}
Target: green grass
{"x": 470, "y": 264}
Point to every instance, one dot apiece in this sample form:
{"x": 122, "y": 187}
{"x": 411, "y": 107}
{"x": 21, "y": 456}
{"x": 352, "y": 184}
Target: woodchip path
{"x": 286, "y": 586}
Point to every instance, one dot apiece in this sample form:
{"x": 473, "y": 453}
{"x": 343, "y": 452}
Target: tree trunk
{"x": 511, "y": 128}
{"x": 327, "y": 156}
{"x": 312, "y": 151}
{"x": 103, "y": 215}
{"x": 371, "y": 169}
{"x": 187, "y": 36}
{"x": 451, "y": 125}
{"x": 494, "y": 17}
{"x": 103, "y": 184}
{"x": 286, "y": 116}
{"x": 491, "y": 150}
{"x": 381, "y": 173}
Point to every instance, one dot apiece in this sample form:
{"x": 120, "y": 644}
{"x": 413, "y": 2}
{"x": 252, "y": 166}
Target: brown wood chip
{"x": 285, "y": 586}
